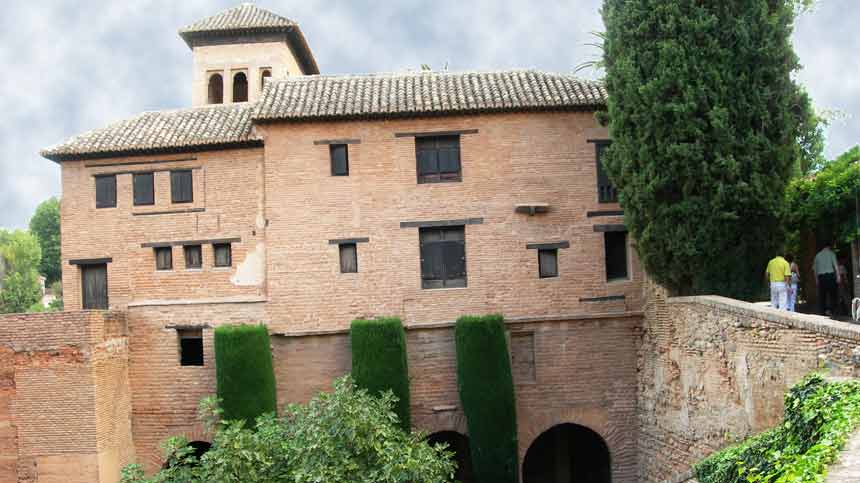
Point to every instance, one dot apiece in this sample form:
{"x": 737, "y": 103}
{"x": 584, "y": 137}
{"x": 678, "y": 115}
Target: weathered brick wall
{"x": 64, "y": 397}
{"x": 714, "y": 370}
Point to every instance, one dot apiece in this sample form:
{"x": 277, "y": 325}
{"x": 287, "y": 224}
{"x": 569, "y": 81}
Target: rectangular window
{"x": 223, "y": 254}
{"x": 164, "y": 258}
{"x": 193, "y": 256}
{"x": 548, "y": 262}
{"x": 190, "y": 347}
{"x": 348, "y": 258}
{"x": 438, "y": 159}
{"x": 94, "y": 287}
{"x": 606, "y": 192}
{"x": 443, "y": 257}
{"x": 339, "y": 159}
{"x": 144, "y": 189}
{"x": 181, "y": 186}
{"x": 616, "y": 255}
{"x": 106, "y": 191}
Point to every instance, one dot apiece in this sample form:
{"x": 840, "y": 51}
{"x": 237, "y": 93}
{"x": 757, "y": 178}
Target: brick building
{"x": 304, "y": 201}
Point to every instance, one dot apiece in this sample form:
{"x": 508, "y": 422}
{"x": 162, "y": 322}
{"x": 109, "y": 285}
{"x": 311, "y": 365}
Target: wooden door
{"x": 94, "y": 286}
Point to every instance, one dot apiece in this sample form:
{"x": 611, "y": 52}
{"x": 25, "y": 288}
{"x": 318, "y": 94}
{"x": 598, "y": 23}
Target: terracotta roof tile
{"x": 245, "y": 17}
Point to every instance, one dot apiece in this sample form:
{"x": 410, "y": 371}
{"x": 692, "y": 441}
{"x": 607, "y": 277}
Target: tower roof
{"x": 248, "y": 21}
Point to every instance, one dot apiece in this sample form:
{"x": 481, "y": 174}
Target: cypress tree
{"x": 244, "y": 374}
{"x": 705, "y": 120}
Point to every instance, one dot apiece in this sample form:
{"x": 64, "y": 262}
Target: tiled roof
{"x": 424, "y": 93}
{"x": 184, "y": 129}
{"x": 245, "y": 17}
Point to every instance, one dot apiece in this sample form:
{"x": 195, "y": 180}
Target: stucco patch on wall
{"x": 252, "y": 270}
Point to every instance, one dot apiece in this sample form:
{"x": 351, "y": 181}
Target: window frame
{"x": 606, "y": 191}
{"x": 109, "y": 203}
{"x": 134, "y": 178}
{"x": 235, "y": 86}
{"x": 331, "y": 153}
{"x": 186, "y": 250}
{"x": 429, "y": 178}
{"x": 173, "y": 190}
{"x": 229, "y": 247}
{"x": 342, "y": 251}
{"x": 443, "y": 245}
{"x": 215, "y": 92}
{"x": 554, "y": 273}
{"x": 606, "y": 255}
{"x": 158, "y": 266}
{"x": 195, "y": 335}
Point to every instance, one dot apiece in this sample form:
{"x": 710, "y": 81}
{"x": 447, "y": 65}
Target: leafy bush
{"x": 344, "y": 436}
{"x": 819, "y": 416}
{"x": 244, "y": 374}
{"x": 487, "y": 394}
{"x": 379, "y": 361}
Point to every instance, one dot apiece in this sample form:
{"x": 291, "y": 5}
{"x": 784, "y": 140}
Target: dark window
{"x": 190, "y": 347}
{"x": 223, "y": 254}
{"x": 181, "y": 186}
{"x": 106, "y": 191}
{"x": 216, "y": 89}
{"x": 348, "y": 258}
{"x": 94, "y": 287}
{"x": 616, "y": 255}
{"x": 606, "y": 192}
{"x": 164, "y": 258}
{"x": 438, "y": 158}
{"x": 144, "y": 189}
{"x": 193, "y": 256}
{"x": 548, "y": 262}
{"x": 339, "y": 159}
{"x": 263, "y": 76}
{"x": 240, "y": 87}
{"x": 443, "y": 257}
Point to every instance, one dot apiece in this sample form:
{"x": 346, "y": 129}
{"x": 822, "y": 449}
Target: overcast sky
{"x": 75, "y": 65}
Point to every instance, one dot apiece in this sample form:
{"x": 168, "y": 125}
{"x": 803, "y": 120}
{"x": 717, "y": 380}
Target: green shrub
{"x": 487, "y": 394}
{"x": 379, "y": 361}
{"x": 819, "y": 416}
{"x": 243, "y": 368}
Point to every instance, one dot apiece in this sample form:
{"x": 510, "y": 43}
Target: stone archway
{"x": 568, "y": 453}
{"x": 459, "y": 444}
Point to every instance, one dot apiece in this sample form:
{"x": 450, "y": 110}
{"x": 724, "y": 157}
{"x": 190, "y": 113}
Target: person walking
{"x": 794, "y": 283}
{"x": 778, "y": 273}
{"x": 826, "y": 278}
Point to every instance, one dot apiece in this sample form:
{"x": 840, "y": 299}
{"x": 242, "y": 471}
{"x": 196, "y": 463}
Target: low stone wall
{"x": 64, "y": 397}
{"x": 714, "y": 370}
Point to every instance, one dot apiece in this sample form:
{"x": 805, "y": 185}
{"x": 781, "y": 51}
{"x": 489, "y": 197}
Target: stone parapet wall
{"x": 714, "y": 370}
{"x": 64, "y": 397}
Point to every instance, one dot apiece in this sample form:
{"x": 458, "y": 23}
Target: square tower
{"x": 237, "y": 49}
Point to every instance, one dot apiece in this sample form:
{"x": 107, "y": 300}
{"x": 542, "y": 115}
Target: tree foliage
{"x": 45, "y": 225}
{"x": 707, "y": 127}
{"x": 344, "y": 436}
{"x": 21, "y": 255}
{"x": 379, "y": 361}
{"x": 243, "y": 371}
{"x": 487, "y": 394}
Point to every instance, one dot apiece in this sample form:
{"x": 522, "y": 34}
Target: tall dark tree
{"x": 45, "y": 225}
{"x": 707, "y": 124}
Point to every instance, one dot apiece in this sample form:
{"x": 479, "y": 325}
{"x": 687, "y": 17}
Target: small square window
{"x": 438, "y": 159}
{"x": 164, "y": 258}
{"x": 106, "y": 191}
{"x": 616, "y": 255}
{"x": 144, "y": 189}
{"x": 348, "y": 258}
{"x": 190, "y": 347}
{"x": 548, "y": 262}
{"x": 181, "y": 186}
{"x": 193, "y": 256}
{"x": 223, "y": 254}
{"x": 339, "y": 159}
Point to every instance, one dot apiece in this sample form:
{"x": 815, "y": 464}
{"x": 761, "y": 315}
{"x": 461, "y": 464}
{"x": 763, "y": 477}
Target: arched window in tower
{"x": 263, "y": 76}
{"x": 240, "y": 87}
{"x": 216, "y": 89}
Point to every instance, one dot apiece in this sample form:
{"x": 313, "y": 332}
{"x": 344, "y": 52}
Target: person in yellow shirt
{"x": 778, "y": 273}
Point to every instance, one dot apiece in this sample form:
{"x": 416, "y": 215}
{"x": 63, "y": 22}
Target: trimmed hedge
{"x": 487, "y": 394}
{"x": 379, "y": 361}
{"x": 244, "y": 373}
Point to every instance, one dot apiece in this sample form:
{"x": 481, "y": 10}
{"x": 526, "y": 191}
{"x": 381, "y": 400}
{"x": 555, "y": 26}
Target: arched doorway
{"x": 199, "y": 449}
{"x": 459, "y": 444}
{"x": 567, "y": 453}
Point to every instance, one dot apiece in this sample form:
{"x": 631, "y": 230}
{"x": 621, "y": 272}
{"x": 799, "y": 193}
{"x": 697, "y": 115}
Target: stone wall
{"x": 714, "y": 370}
{"x": 65, "y": 403}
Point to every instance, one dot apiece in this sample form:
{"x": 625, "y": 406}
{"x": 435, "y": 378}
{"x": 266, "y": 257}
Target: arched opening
{"x": 568, "y": 453}
{"x": 240, "y": 87}
{"x": 459, "y": 444}
{"x": 199, "y": 448}
{"x": 216, "y": 89}
{"x": 263, "y": 76}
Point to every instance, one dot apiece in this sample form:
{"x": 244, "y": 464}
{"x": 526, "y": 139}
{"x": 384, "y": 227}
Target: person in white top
{"x": 795, "y": 282}
{"x": 827, "y": 278}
